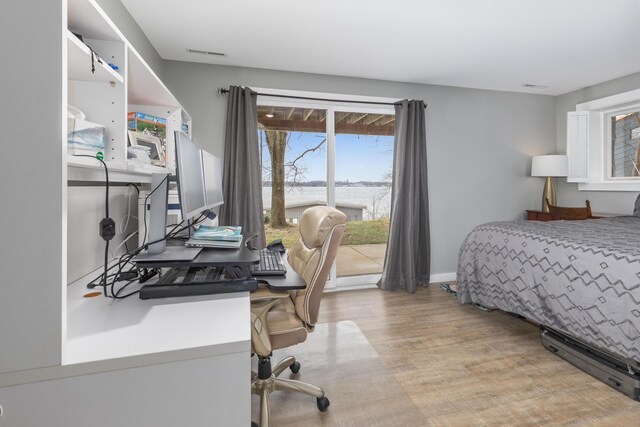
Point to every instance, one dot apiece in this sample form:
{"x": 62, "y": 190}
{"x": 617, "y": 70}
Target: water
{"x": 376, "y": 199}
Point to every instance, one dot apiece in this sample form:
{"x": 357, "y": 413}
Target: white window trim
{"x": 600, "y": 145}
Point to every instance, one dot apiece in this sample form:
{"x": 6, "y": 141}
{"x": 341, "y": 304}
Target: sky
{"x": 358, "y": 157}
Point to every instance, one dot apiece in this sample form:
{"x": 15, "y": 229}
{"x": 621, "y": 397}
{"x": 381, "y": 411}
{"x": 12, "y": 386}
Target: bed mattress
{"x": 578, "y": 277}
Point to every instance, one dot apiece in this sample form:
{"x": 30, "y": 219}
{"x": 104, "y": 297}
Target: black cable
{"x": 106, "y": 265}
{"x": 94, "y": 57}
{"x": 126, "y": 259}
{"x": 106, "y": 180}
{"x": 106, "y": 210}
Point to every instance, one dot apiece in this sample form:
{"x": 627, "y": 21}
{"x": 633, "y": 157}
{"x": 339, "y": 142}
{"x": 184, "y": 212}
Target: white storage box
{"x": 85, "y": 137}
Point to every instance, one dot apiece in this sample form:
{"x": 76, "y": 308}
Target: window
{"x": 624, "y": 131}
{"x": 603, "y": 143}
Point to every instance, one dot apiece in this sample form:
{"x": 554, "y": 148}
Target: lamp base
{"x": 549, "y": 192}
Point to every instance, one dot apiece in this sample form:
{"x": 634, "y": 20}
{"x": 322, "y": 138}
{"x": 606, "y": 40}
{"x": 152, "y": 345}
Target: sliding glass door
{"x": 322, "y": 153}
{"x": 364, "y": 157}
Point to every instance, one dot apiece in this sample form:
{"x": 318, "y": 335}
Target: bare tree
{"x": 276, "y": 141}
{"x": 378, "y": 209}
{"x": 281, "y": 172}
{"x": 294, "y": 170}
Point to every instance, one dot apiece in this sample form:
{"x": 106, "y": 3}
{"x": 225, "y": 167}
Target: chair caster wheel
{"x": 295, "y": 367}
{"x": 323, "y": 403}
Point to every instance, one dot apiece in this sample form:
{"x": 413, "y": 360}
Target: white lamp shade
{"x": 554, "y": 165}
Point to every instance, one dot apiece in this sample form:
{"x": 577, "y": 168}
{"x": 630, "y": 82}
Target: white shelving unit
{"x": 79, "y": 56}
{"x": 56, "y": 346}
{"x": 107, "y": 95}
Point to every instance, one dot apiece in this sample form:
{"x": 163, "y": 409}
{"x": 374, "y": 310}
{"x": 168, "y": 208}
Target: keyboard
{"x": 270, "y": 264}
{"x": 182, "y": 282}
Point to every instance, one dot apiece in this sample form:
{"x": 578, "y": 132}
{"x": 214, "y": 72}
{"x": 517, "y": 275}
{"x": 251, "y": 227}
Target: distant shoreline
{"x": 267, "y": 184}
{"x": 376, "y": 199}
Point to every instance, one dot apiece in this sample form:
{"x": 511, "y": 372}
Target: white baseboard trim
{"x": 351, "y": 287}
{"x": 366, "y": 282}
{"x": 442, "y": 277}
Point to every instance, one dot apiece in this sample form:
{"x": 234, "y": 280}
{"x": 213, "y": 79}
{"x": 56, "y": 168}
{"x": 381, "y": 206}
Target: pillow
{"x": 636, "y": 207}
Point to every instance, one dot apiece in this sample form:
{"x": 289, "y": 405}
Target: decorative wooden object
{"x": 558, "y": 212}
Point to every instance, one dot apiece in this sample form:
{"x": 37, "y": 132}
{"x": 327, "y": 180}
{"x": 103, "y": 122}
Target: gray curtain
{"x": 242, "y": 177}
{"x": 408, "y": 258}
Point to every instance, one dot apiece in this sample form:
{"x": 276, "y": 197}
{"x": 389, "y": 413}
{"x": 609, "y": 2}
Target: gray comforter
{"x": 579, "y": 277}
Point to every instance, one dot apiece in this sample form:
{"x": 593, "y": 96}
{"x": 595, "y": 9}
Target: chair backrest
{"x": 321, "y": 230}
{"x": 558, "y": 212}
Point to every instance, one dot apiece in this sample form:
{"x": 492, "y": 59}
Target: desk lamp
{"x": 549, "y": 167}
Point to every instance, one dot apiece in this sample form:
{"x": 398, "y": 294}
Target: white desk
{"x": 163, "y": 362}
{"x": 101, "y": 328}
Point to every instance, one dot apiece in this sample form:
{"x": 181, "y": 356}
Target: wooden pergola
{"x": 314, "y": 120}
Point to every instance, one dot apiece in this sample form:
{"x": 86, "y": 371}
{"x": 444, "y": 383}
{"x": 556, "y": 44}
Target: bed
{"x": 581, "y": 278}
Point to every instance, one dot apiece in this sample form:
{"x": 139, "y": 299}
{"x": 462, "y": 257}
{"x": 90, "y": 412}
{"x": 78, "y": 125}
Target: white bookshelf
{"x": 107, "y": 95}
{"x": 79, "y": 64}
{"x": 56, "y": 346}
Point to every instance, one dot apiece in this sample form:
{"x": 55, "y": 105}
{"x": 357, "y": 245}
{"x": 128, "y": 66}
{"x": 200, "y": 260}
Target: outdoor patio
{"x": 353, "y": 260}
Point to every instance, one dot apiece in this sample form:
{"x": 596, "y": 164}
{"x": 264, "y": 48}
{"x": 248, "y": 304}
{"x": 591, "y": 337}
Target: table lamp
{"x": 549, "y": 167}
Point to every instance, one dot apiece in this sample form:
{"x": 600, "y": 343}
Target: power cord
{"x": 126, "y": 259}
{"x": 107, "y": 226}
{"x": 108, "y": 281}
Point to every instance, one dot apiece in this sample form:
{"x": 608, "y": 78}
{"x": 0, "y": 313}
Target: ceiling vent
{"x": 532, "y": 86}
{"x": 204, "y": 52}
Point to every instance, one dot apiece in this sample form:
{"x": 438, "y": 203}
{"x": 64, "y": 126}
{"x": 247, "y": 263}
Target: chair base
{"x": 266, "y": 381}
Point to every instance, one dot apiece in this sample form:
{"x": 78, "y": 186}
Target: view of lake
{"x": 376, "y": 199}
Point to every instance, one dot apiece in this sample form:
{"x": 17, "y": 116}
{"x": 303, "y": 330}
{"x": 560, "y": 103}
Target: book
{"x": 200, "y": 243}
{"x": 218, "y": 233}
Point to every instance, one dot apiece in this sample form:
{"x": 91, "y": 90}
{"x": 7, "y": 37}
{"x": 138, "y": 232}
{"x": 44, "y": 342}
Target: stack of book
{"x": 216, "y": 237}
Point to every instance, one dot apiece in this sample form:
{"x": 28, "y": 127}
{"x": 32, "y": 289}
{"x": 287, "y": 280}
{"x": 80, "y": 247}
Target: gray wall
{"x": 479, "y": 142}
{"x": 32, "y": 189}
{"x": 568, "y": 194}
{"x": 129, "y": 27}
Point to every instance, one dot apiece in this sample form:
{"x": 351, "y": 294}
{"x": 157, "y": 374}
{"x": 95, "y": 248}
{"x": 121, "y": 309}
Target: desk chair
{"x": 281, "y": 319}
{"x": 558, "y": 212}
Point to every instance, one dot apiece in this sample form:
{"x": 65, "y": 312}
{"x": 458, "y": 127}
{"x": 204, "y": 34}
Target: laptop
{"x": 201, "y": 243}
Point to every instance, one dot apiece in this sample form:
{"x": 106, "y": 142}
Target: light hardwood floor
{"x": 461, "y": 366}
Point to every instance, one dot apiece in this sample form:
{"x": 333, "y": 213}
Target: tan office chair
{"x": 282, "y": 319}
{"x": 558, "y": 212}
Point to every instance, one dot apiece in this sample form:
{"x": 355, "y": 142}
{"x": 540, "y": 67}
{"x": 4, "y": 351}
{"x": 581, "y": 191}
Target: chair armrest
{"x": 259, "y": 330}
{"x": 264, "y": 294}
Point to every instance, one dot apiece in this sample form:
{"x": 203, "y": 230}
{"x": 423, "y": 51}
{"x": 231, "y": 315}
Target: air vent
{"x": 205, "y": 52}
{"x": 532, "y": 86}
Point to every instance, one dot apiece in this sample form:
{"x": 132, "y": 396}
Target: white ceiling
{"x": 490, "y": 44}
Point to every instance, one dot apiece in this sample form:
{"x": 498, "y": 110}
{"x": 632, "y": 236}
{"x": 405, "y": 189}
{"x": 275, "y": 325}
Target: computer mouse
{"x": 277, "y": 245}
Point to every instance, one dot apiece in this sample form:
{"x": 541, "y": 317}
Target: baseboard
{"x": 442, "y": 277}
{"x": 369, "y": 281}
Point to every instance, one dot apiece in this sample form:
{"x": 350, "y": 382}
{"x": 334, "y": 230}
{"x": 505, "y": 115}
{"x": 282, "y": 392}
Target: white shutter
{"x": 578, "y": 146}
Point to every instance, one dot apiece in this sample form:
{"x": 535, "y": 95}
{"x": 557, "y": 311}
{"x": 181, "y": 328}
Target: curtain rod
{"x": 223, "y": 91}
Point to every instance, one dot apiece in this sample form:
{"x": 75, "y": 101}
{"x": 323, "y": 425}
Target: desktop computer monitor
{"x": 212, "y": 169}
{"x": 190, "y": 176}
